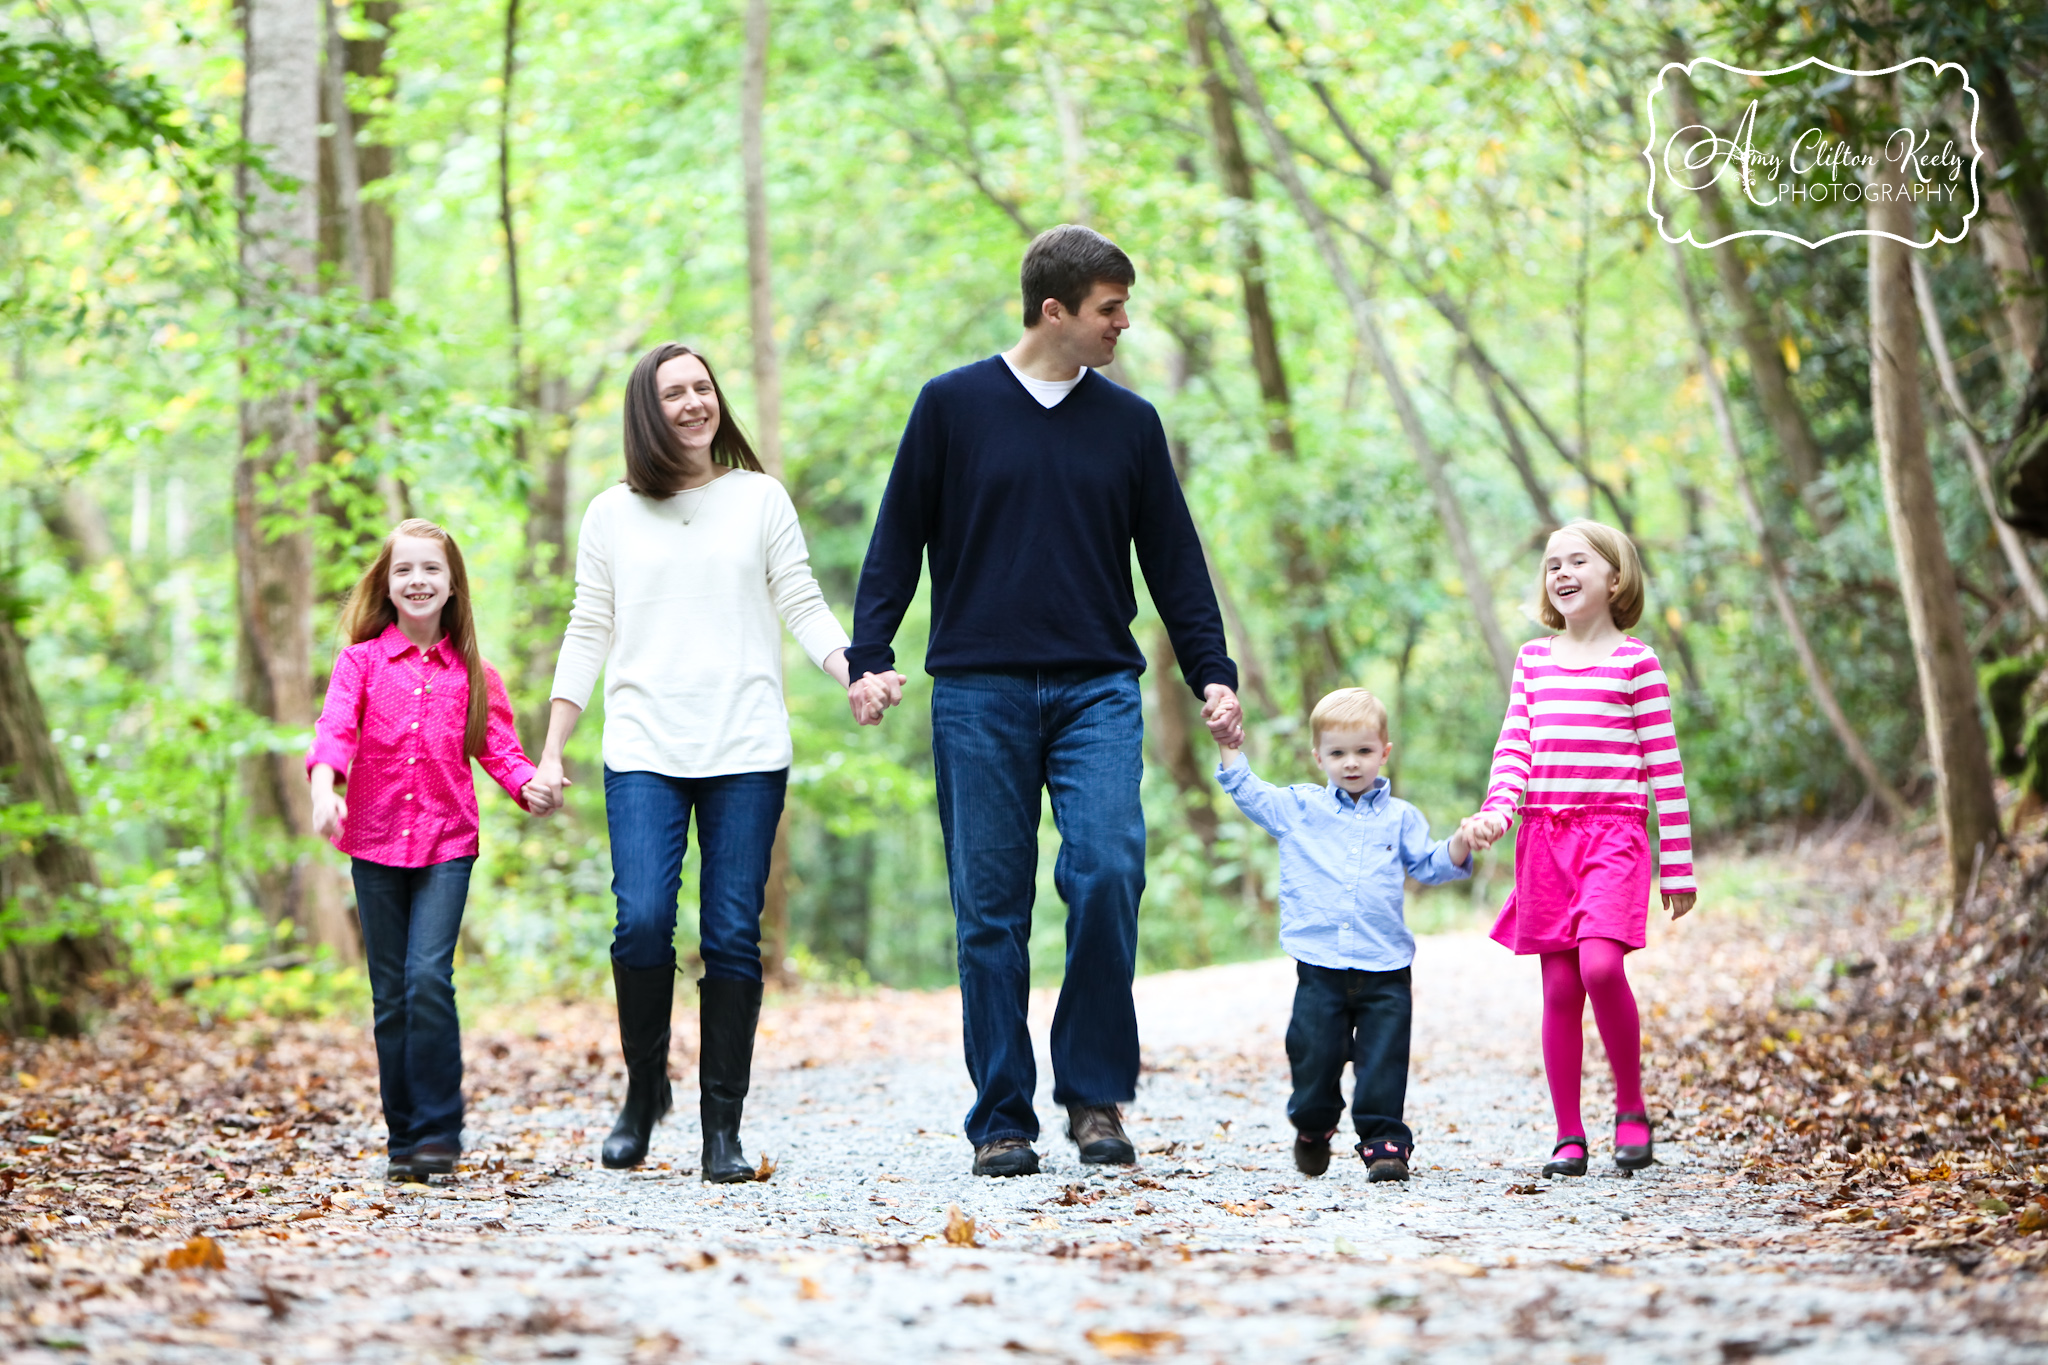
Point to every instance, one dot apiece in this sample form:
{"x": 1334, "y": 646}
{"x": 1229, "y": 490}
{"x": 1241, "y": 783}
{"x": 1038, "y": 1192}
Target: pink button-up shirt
{"x": 392, "y": 726}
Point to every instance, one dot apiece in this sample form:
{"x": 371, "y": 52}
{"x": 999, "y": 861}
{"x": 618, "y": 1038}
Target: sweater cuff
{"x": 862, "y": 659}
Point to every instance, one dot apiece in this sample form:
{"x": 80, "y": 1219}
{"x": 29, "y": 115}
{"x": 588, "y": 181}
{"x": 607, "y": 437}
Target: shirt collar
{"x": 395, "y": 645}
{"x": 1373, "y": 797}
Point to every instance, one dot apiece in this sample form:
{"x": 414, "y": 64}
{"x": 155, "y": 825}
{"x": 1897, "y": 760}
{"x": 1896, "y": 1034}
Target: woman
{"x": 682, "y": 573}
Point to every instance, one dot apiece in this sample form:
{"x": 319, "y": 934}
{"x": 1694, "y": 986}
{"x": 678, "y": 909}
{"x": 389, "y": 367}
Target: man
{"x": 1028, "y": 478}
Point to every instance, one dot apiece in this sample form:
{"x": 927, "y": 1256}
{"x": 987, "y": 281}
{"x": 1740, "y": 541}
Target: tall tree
{"x": 1365, "y": 323}
{"x": 1775, "y": 576}
{"x": 1318, "y": 661}
{"x": 273, "y": 541}
{"x": 1927, "y": 578}
{"x": 1769, "y": 376}
{"x": 357, "y": 250}
{"x": 47, "y": 965}
{"x": 767, "y": 391}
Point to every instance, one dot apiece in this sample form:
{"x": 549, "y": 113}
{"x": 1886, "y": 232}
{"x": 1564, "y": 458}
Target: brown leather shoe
{"x": 1098, "y": 1130}
{"x": 1005, "y": 1156}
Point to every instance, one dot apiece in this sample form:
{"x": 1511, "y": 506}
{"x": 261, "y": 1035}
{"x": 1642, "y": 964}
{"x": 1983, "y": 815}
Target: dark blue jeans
{"x": 410, "y": 918}
{"x": 998, "y": 740}
{"x": 1358, "y": 1017}
{"x": 649, "y": 816}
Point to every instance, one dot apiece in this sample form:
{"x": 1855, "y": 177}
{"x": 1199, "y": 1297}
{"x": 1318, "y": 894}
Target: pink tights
{"x": 1593, "y": 969}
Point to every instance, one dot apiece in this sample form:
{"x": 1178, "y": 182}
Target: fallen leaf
{"x": 693, "y": 1260}
{"x": 1451, "y": 1265}
{"x": 1525, "y": 1189}
{"x": 201, "y": 1253}
{"x": 765, "y": 1169}
{"x": 980, "y": 1298}
{"x": 808, "y": 1288}
{"x": 2033, "y": 1218}
{"x": 959, "y": 1228}
{"x": 1131, "y": 1345}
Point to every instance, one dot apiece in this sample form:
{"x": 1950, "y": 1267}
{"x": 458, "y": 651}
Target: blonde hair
{"x": 369, "y": 612}
{"x": 1348, "y": 708}
{"x": 1626, "y": 606}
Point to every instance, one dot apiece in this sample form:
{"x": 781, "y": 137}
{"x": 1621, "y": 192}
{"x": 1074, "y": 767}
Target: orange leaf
{"x": 959, "y": 1228}
{"x": 808, "y": 1288}
{"x": 201, "y": 1253}
{"x": 765, "y": 1169}
{"x": 1131, "y": 1345}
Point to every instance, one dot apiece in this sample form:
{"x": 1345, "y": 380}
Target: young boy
{"x": 1344, "y": 849}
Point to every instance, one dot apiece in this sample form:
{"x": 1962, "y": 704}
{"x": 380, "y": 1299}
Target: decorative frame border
{"x": 1650, "y": 198}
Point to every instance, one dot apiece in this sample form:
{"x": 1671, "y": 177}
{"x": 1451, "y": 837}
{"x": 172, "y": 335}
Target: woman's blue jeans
{"x": 410, "y": 917}
{"x": 998, "y": 740}
{"x": 649, "y": 816}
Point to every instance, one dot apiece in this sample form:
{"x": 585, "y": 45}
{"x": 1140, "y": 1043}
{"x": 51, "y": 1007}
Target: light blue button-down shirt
{"x": 1342, "y": 865}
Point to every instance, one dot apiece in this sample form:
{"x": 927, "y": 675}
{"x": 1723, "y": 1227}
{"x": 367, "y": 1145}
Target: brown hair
{"x": 1067, "y": 261}
{"x": 1347, "y": 708}
{"x": 1626, "y": 606}
{"x": 369, "y": 611}
{"x": 654, "y": 457}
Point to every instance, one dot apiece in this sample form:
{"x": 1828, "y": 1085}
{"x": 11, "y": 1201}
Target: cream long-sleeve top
{"x": 685, "y": 621}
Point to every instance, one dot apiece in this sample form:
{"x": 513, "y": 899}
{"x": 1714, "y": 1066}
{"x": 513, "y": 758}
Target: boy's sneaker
{"x": 1005, "y": 1156}
{"x": 1098, "y": 1130}
{"x": 1384, "y": 1160}
{"x": 1312, "y": 1152}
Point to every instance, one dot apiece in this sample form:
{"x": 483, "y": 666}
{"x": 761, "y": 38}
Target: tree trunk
{"x": 760, "y": 255}
{"x": 2009, "y": 542}
{"x": 45, "y": 971}
{"x": 2002, "y": 240}
{"x": 841, "y": 929}
{"x": 356, "y": 245}
{"x": 1318, "y": 659}
{"x": 767, "y": 392}
{"x": 1948, "y": 683}
{"x": 1774, "y": 568}
{"x": 1174, "y": 707}
{"x": 279, "y": 229}
{"x": 1478, "y": 590}
{"x": 1768, "y": 372}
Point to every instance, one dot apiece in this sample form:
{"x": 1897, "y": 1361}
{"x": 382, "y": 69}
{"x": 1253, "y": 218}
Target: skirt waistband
{"x": 1575, "y": 815}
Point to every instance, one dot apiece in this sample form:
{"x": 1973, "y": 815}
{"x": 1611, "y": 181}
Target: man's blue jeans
{"x": 649, "y": 816}
{"x": 411, "y": 916}
{"x": 998, "y": 739}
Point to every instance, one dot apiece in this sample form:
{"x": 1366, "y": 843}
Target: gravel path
{"x": 1212, "y": 1249}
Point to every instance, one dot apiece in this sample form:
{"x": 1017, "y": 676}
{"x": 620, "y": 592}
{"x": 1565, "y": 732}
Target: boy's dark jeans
{"x": 411, "y": 916}
{"x": 1362, "y": 1018}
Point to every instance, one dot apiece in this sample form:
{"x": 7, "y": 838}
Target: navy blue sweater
{"x": 1029, "y": 514}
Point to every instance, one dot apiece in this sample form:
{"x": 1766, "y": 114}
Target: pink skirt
{"x": 1580, "y": 872}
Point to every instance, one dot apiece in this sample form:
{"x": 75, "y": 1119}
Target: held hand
{"x": 549, "y": 780}
{"x": 1484, "y": 829}
{"x": 540, "y": 801}
{"x": 329, "y": 813}
{"x": 874, "y": 694}
{"x": 1224, "y": 717}
{"x": 1681, "y": 904}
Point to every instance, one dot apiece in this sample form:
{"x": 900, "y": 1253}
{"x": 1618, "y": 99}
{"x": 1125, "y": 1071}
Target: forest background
{"x": 273, "y": 276}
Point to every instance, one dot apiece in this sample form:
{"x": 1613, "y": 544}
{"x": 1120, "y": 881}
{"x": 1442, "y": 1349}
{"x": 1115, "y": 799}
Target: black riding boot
{"x": 727, "y": 1011}
{"x": 645, "y": 998}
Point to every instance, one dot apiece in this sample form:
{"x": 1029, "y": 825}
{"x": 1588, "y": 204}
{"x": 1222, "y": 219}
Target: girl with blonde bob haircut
{"x": 1626, "y": 605}
{"x": 1587, "y": 744}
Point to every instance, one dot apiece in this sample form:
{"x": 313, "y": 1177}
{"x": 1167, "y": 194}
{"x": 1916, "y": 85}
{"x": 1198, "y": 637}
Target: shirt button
{"x": 412, "y": 760}
{"x": 415, "y": 691}
{"x": 406, "y": 832}
{"x": 408, "y": 796}
{"x": 415, "y": 725}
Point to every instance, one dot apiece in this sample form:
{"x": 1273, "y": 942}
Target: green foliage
{"x": 911, "y": 148}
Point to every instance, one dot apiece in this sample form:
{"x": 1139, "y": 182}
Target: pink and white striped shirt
{"x": 1599, "y": 736}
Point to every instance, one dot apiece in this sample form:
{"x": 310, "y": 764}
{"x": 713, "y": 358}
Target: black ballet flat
{"x": 1571, "y": 1165}
{"x": 1633, "y": 1156}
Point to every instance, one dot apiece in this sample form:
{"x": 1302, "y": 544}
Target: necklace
{"x": 703, "y": 492}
